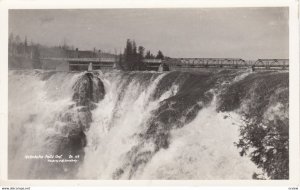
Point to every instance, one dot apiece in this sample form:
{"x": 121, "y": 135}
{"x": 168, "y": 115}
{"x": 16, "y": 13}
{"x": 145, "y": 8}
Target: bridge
{"x": 78, "y": 64}
{"x": 175, "y": 63}
{"x": 227, "y": 63}
{"x": 206, "y": 62}
{"x": 152, "y": 64}
{"x": 272, "y": 63}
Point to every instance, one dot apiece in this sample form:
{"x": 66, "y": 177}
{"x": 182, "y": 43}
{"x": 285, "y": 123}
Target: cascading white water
{"x": 203, "y": 149}
{"x": 200, "y": 150}
{"x": 34, "y": 105}
{"x": 147, "y": 126}
{"x": 116, "y": 122}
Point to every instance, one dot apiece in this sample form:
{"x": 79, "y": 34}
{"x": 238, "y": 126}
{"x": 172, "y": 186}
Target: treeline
{"x": 133, "y": 56}
{"x": 22, "y": 50}
{"x": 25, "y": 55}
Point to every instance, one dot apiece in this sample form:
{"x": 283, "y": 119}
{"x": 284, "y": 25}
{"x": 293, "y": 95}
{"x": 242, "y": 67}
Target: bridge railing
{"x": 205, "y": 61}
{"x": 100, "y": 59}
{"x": 188, "y": 62}
{"x": 272, "y": 62}
{"x": 152, "y": 61}
{"x": 230, "y": 62}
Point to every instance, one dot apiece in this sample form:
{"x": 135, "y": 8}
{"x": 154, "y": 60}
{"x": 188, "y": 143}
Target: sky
{"x": 247, "y": 33}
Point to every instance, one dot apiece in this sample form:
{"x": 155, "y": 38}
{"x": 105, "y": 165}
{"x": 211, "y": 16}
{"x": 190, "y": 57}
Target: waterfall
{"x": 139, "y": 125}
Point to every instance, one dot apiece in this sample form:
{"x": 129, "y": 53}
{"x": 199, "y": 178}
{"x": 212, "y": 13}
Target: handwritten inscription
{"x": 54, "y": 158}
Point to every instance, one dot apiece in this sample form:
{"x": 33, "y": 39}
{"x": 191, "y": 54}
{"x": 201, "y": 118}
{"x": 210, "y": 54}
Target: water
{"x": 133, "y": 125}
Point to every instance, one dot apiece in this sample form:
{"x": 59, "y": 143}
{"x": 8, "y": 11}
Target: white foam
{"x": 33, "y": 106}
{"x": 203, "y": 149}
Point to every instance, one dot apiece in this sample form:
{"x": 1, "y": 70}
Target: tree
{"x": 141, "y": 50}
{"x": 128, "y": 54}
{"x": 148, "y": 55}
{"x": 25, "y": 45}
{"x": 134, "y": 56}
{"x": 134, "y": 49}
{"x": 267, "y": 144}
{"x": 18, "y": 45}
{"x": 11, "y": 43}
{"x": 141, "y": 65}
{"x": 18, "y": 39}
{"x": 159, "y": 55}
{"x": 36, "y": 58}
{"x": 120, "y": 62}
{"x": 25, "y": 41}
{"x": 11, "y": 38}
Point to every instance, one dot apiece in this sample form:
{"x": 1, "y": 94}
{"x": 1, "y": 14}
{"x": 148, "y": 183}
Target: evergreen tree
{"x": 128, "y": 52}
{"x": 25, "y": 45}
{"x": 152, "y": 56}
{"x": 141, "y": 50}
{"x": 18, "y": 39}
{"x": 148, "y": 55}
{"x": 11, "y": 38}
{"x": 25, "y": 41}
{"x": 11, "y": 43}
{"x": 159, "y": 55}
{"x": 134, "y": 56}
{"x": 134, "y": 49}
{"x": 120, "y": 63}
{"x": 36, "y": 58}
{"x": 18, "y": 44}
{"x": 141, "y": 65}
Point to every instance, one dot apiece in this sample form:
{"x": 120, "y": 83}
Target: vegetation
{"x": 23, "y": 55}
{"x": 267, "y": 145}
{"x": 23, "y": 52}
{"x": 263, "y": 138}
{"x": 133, "y": 56}
{"x": 160, "y": 55}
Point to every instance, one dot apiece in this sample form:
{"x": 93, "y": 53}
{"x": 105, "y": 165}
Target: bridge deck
{"x": 228, "y": 62}
{"x": 86, "y": 60}
{"x": 182, "y": 62}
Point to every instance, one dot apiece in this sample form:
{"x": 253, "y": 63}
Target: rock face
{"x": 88, "y": 90}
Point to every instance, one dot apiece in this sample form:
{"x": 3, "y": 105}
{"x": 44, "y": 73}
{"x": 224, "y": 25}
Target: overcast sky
{"x": 247, "y": 33}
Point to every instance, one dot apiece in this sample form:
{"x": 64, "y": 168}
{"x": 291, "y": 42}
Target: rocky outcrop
{"x": 88, "y": 90}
